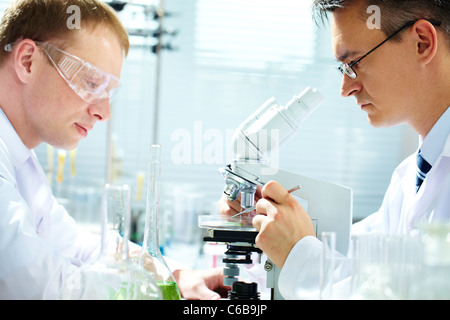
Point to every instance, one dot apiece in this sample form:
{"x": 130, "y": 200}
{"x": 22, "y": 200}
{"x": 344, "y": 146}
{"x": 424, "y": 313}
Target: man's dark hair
{"x": 394, "y": 13}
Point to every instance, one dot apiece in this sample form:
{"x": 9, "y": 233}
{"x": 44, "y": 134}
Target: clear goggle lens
{"x": 89, "y": 82}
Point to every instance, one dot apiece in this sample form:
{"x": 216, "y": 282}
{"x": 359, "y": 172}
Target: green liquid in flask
{"x": 169, "y": 290}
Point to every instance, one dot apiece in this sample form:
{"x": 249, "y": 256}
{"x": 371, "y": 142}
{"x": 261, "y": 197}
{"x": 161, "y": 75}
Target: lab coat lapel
{"x": 36, "y": 192}
{"x": 409, "y": 198}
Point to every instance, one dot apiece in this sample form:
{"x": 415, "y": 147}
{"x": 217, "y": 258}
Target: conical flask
{"x": 150, "y": 245}
{"x": 113, "y": 276}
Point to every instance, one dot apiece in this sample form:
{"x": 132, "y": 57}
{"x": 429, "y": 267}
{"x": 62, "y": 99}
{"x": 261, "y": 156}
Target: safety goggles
{"x": 87, "y": 81}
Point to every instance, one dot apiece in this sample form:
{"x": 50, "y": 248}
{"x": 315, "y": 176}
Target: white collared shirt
{"x": 431, "y": 147}
{"x": 39, "y": 242}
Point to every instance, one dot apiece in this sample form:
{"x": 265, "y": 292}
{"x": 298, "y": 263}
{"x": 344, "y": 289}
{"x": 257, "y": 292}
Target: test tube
{"x": 327, "y": 265}
{"x": 61, "y": 162}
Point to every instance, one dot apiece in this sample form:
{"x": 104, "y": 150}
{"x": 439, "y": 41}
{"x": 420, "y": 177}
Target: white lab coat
{"x": 39, "y": 242}
{"x": 402, "y": 209}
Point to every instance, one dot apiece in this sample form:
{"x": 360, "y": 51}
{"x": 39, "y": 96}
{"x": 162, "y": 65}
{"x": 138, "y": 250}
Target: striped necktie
{"x": 423, "y": 167}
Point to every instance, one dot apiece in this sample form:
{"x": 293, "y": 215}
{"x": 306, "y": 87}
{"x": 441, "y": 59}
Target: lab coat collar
{"x": 18, "y": 151}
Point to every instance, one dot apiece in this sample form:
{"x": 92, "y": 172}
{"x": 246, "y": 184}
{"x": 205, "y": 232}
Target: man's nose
{"x": 350, "y": 87}
{"x": 101, "y": 110}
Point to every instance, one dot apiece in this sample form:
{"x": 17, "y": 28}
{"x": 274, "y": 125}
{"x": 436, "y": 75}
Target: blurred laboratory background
{"x": 196, "y": 69}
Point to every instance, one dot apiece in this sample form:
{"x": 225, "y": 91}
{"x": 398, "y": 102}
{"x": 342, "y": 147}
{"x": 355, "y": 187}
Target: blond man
{"x": 42, "y": 99}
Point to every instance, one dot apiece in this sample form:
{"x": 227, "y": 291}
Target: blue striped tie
{"x": 422, "y": 169}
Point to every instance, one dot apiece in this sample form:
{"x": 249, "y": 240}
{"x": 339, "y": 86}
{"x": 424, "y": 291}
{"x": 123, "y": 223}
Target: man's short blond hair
{"x": 44, "y": 20}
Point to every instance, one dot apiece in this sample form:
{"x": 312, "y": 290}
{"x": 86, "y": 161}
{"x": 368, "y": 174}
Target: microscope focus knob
{"x": 244, "y": 291}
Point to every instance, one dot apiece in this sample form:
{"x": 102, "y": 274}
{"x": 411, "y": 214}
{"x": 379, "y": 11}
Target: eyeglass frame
{"x": 344, "y": 67}
{"x": 39, "y": 44}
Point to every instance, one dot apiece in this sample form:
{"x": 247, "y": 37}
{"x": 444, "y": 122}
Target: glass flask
{"x": 150, "y": 245}
{"x": 113, "y": 276}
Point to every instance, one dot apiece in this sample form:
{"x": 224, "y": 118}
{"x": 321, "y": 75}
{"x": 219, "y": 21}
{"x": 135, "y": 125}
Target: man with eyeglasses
{"x": 55, "y": 85}
{"x": 399, "y": 74}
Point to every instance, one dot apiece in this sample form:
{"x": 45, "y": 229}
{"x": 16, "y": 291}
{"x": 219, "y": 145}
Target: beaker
{"x": 150, "y": 256}
{"x": 112, "y": 276}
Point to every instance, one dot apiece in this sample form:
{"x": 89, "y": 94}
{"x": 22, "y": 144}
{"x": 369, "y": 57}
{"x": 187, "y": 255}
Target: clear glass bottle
{"x": 150, "y": 245}
{"x": 113, "y": 276}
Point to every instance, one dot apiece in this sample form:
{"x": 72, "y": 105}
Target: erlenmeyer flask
{"x": 150, "y": 245}
{"x": 113, "y": 276}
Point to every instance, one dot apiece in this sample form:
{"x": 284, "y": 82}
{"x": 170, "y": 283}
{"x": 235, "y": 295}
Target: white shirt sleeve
{"x": 300, "y": 277}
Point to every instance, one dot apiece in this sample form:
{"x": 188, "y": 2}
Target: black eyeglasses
{"x": 347, "y": 69}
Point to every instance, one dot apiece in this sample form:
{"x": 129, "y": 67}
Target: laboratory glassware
{"x": 113, "y": 276}
{"x": 151, "y": 257}
{"x": 432, "y": 281}
{"x": 369, "y": 279}
{"x": 385, "y": 266}
{"x": 327, "y": 265}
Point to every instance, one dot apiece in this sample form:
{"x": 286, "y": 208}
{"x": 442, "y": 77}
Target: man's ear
{"x": 426, "y": 39}
{"x": 25, "y": 53}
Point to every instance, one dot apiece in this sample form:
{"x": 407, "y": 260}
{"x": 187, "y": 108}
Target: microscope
{"x": 256, "y": 145}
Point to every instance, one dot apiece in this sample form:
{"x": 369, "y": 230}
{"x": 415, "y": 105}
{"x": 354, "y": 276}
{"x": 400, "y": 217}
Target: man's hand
{"x": 281, "y": 222}
{"x": 201, "y": 284}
